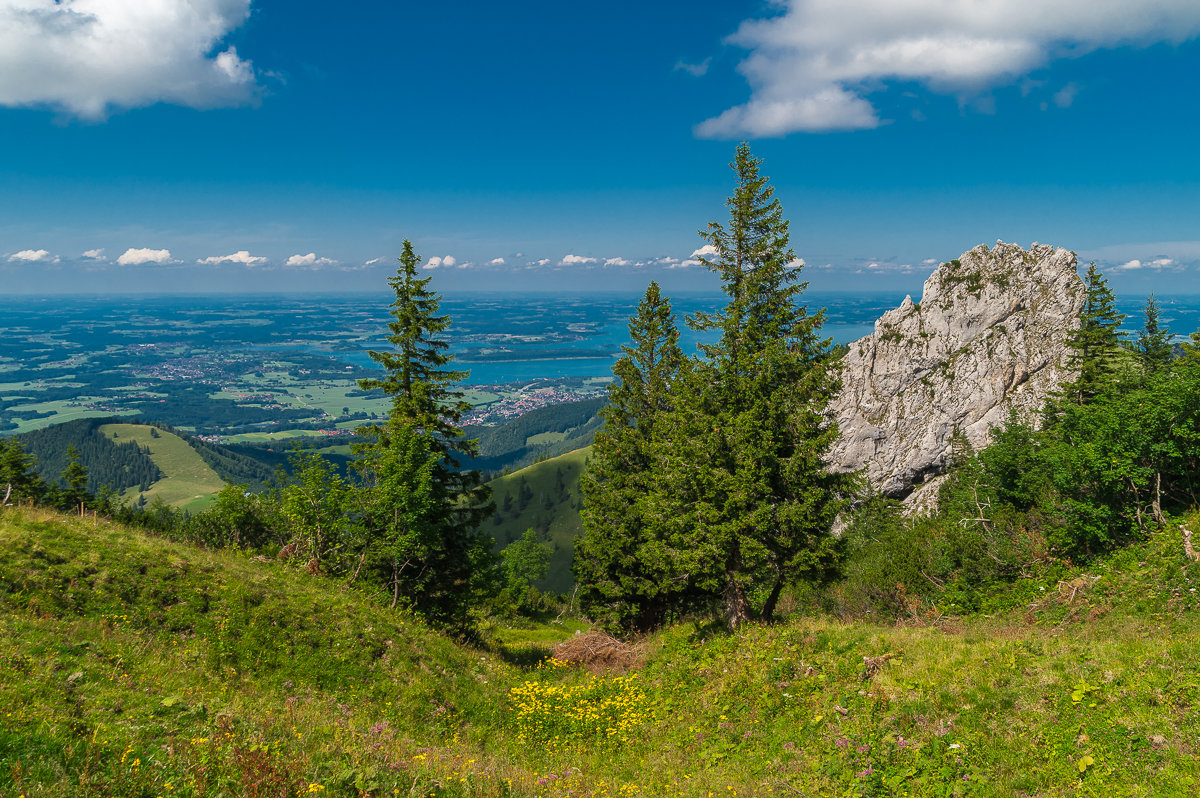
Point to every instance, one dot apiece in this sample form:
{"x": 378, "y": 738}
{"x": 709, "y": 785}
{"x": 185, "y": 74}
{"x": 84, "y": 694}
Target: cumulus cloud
{"x": 443, "y": 262}
{"x": 33, "y": 256}
{"x": 93, "y": 254}
{"x": 136, "y": 257}
{"x": 310, "y": 261}
{"x": 373, "y": 261}
{"x": 883, "y": 267}
{"x": 706, "y": 251}
{"x": 617, "y": 262}
{"x": 811, "y": 67}
{"x": 88, "y": 57}
{"x": 496, "y": 262}
{"x": 1157, "y": 264}
{"x": 540, "y": 262}
{"x": 577, "y": 260}
{"x": 241, "y": 256}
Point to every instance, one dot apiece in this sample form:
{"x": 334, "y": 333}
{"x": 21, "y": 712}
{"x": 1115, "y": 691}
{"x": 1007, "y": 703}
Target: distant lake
{"x": 499, "y": 338}
{"x": 502, "y": 339}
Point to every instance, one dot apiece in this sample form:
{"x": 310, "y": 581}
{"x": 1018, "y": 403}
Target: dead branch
{"x": 1187, "y": 546}
{"x": 872, "y": 666}
{"x": 598, "y": 652}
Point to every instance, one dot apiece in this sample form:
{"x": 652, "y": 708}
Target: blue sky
{"x": 272, "y": 145}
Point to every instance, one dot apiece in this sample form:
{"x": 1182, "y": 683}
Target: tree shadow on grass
{"x": 526, "y": 656}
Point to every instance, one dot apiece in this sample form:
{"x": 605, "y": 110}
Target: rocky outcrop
{"x": 989, "y": 334}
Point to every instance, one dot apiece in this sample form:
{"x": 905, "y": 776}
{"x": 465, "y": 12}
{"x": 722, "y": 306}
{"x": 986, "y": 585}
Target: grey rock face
{"x": 989, "y": 335}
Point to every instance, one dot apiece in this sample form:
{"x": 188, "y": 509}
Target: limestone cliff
{"x": 989, "y": 334}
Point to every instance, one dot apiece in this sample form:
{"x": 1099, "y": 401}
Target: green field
{"x": 189, "y": 482}
{"x": 63, "y": 412}
{"x": 552, "y": 509}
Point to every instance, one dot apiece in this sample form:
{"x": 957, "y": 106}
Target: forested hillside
{"x": 544, "y": 497}
{"x": 536, "y": 435}
{"x": 119, "y": 464}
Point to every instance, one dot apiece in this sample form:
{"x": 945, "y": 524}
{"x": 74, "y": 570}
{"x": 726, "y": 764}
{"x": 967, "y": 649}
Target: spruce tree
{"x": 748, "y": 457}
{"x": 420, "y": 510}
{"x": 1095, "y": 344}
{"x": 19, "y": 480}
{"x": 622, "y": 561}
{"x": 74, "y": 479}
{"x": 1154, "y": 341}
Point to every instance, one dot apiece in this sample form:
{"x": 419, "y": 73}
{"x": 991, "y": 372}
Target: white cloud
{"x": 617, "y": 262}
{"x": 33, "y": 256}
{"x": 446, "y": 261}
{"x": 794, "y": 264}
{"x": 1157, "y": 264}
{"x": 542, "y": 262}
{"x": 811, "y": 67}
{"x": 496, "y": 262}
{"x": 706, "y": 251}
{"x": 241, "y": 256}
{"x": 136, "y": 257}
{"x": 577, "y": 260}
{"x": 373, "y": 261}
{"x": 309, "y": 261}
{"x": 88, "y": 57}
{"x": 94, "y": 254}
{"x": 695, "y": 70}
{"x": 883, "y": 267}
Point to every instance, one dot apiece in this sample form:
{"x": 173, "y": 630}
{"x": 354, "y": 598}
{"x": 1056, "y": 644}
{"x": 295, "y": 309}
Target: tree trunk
{"x": 737, "y": 606}
{"x": 1158, "y": 516}
{"x": 768, "y": 610}
{"x": 395, "y": 584}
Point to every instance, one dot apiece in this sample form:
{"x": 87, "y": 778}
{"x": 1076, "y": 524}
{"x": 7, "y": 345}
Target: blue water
{"x": 535, "y": 335}
{"x": 598, "y": 325}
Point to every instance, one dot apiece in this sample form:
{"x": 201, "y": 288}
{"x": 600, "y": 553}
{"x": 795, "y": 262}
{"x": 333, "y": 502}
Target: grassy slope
{"x": 211, "y": 671}
{"x": 560, "y": 523}
{"x": 189, "y": 481}
{"x": 131, "y": 663}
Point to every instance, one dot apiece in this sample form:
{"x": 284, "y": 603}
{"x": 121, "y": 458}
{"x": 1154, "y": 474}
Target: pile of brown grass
{"x": 598, "y": 652}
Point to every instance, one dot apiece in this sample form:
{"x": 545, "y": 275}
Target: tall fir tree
{"x": 623, "y": 563}
{"x": 1154, "y": 341}
{"x": 748, "y": 458}
{"x": 1096, "y": 343}
{"x": 72, "y": 493}
{"x": 421, "y": 511}
{"x": 19, "y": 480}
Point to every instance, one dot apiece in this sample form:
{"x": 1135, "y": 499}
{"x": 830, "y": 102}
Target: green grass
{"x": 189, "y": 482}
{"x": 545, "y": 437}
{"x": 559, "y": 523}
{"x": 137, "y": 667}
{"x": 62, "y": 411}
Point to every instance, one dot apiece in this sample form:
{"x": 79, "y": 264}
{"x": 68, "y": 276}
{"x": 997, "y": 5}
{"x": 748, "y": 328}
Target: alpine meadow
{"x": 748, "y": 612}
